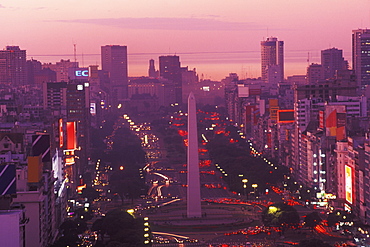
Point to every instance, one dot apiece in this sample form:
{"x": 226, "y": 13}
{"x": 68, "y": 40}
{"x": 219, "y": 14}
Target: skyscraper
{"x": 272, "y": 54}
{"x": 13, "y": 66}
{"x": 169, "y": 68}
{"x": 151, "y": 70}
{"x": 331, "y": 61}
{"x": 114, "y": 61}
{"x": 361, "y": 56}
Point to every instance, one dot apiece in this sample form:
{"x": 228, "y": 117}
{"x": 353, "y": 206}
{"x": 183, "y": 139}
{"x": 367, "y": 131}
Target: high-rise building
{"x": 13, "y": 66}
{"x": 169, "y": 68}
{"x": 151, "y": 71}
{"x": 361, "y": 56}
{"x": 114, "y": 61}
{"x": 61, "y": 69}
{"x": 272, "y": 53}
{"x": 315, "y": 73}
{"x": 331, "y": 61}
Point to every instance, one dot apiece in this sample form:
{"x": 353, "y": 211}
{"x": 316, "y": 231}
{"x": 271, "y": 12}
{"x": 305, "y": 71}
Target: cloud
{"x": 201, "y": 24}
{"x": 2, "y": 6}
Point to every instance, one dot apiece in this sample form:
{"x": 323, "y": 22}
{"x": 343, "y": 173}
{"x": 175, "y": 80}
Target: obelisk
{"x": 194, "y": 209}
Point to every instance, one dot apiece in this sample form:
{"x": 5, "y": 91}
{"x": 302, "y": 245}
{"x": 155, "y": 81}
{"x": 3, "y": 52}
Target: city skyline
{"x": 215, "y": 37}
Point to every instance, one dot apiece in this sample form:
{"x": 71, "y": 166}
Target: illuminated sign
{"x": 70, "y": 160}
{"x": 71, "y": 135}
{"x": 78, "y": 73}
{"x": 80, "y": 87}
{"x": 84, "y": 73}
{"x": 286, "y": 116}
{"x": 61, "y": 141}
{"x": 348, "y": 184}
{"x": 92, "y": 108}
{"x": 206, "y": 88}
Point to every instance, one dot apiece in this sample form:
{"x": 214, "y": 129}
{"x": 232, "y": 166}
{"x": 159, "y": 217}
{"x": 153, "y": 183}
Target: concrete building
{"x": 315, "y": 73}
{"x": 151, "y": 71}
{"x": 114, "y": 61}
{"x": 61, "y": 69}
{"x": 272, "y": 53}
{"x": 12, "y": 228}
{"x": 361, "y": 57}
{"x": 13, "y": 68}
{"x": 332, "y": 60}
{"x": 170, "y": 69}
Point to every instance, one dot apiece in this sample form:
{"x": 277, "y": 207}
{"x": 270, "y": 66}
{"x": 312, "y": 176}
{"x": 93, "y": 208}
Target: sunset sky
{"x": 216, "y": 37}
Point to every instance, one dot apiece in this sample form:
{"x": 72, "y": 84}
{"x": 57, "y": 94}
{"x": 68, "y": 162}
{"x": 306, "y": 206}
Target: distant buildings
{"x": 272, "y": 58}
{"x": 332, "y": 60}
{"x": 114, "y": 61}
{"x": 13, "y": 66}
{"x": 361, "y": 56}
{"x": 170, "y": 69}
{"x": 61, "y": 69}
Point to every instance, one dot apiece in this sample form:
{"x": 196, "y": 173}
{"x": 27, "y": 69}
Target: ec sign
{"x": 82, "y": 73}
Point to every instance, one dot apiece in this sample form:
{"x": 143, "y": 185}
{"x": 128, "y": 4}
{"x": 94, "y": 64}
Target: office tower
{"x": 361, "y": 56}
{"x": 55, "y": 98}
{"x": 315, "y": 73}
{"x": 331, "y": 61}
{"x": 169, "y": 68}
{"x": 61, "y": 69}
{"x": 13, "y": 66}
{"x": 33, "y": 68}
{"x": 272, "y": 53}
{"x": 193, "y": 193}
{"x": 78, "y": 109}
{"x": 151, "y": 71}
{"x": 114, "y": 61}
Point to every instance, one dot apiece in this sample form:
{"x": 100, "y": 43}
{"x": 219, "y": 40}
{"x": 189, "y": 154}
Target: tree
{"x": 90, "y": 193}
{"x": 127, "y": 184}
{"x": 312, "y": 220}
{"x": 339, "y": 216}
{"x": 98, "y": 227}
{"x": 124, "y": 228}
{"x": 280, "y": 215}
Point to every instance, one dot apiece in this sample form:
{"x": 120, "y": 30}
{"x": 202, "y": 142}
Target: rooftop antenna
{"x": 74, "y": 53}
{"x": 267, "y": 32}
{"x": 83, "y": 60}
{"x": 308, "y": 59}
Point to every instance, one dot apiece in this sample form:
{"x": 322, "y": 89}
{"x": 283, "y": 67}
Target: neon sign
{"x": 84, "y": 73}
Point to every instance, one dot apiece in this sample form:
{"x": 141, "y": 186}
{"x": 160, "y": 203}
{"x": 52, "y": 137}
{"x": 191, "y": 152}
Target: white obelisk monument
{"x": 194, "y": 209}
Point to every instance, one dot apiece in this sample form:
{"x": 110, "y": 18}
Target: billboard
{"x": 71, "y": 135}
{"x": 92, "y": 109}
{"x": 335, "y": 121}
{"x": 286, "y": 116}
{"x": 7, "y": 180}
{"x": 78, "y": 73}
{"x": 34, "y": 169}
{"x": 348, "y": 184}
{"x": 243, "y": 91}
{"x": 60, "y": 127}
{"x": 274, "y": 107}
{"x": 41, "y": 146}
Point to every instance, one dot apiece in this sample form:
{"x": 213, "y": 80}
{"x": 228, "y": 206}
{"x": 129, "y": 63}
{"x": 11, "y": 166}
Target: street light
{"x": 254, "y": 186}
{"x": 245, "y": 181}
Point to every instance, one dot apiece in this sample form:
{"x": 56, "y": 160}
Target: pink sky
{"x": 230, "y": 31}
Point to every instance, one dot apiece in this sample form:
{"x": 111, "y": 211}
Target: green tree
{"x": 280, "y": 215}
{"x": 312, "y": 219}
{"x": 90, "y": 193}
{"x": 124, "y": 228}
